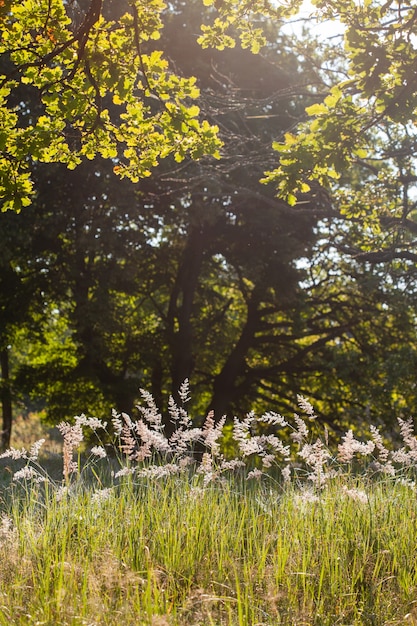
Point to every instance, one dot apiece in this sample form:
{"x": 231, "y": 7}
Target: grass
{"x": 172, "y": 553}
{"x": 209, "y": 547}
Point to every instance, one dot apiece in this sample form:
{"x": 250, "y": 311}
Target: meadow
{"x": 267, "y": 524}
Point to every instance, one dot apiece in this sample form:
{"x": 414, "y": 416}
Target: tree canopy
{"x": 200, "y": 270}
{"x": 77, "y": 61}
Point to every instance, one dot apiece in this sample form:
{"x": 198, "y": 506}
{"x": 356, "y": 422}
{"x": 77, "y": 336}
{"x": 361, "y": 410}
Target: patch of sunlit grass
{"x": 142, "y": 532}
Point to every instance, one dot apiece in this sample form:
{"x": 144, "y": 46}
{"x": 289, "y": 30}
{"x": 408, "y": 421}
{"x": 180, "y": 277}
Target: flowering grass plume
{"x": 255, "y": 521}
{"x": 266, "y": 445}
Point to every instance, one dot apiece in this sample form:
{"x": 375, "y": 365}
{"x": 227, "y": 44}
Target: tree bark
{"x": 6, "y": 400}
{"x": 181, "y": 306}
{"x": 179, "y": 323}
{"x": 225, "y": 387}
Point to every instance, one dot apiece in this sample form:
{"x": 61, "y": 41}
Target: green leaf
{"x": 291, "y": 199}
{"x": 316, "y": 109}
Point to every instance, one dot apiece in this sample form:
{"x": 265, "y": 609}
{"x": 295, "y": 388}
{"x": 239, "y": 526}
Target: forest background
{"x": 188, "y": 265}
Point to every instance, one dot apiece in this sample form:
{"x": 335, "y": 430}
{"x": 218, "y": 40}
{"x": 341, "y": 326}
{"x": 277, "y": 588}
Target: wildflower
{"x": 404, "y": 456}
{"x": 127, "y": 420}
{"x": 184, "y": 419}
{"x": 267, "y": 460}
{"x": 181, "y": 439}
{"x": 178, "y": 413}
{"x": 151, "y": 438}
{"x": 173, "y": 409}
{"x": 276, "y": 444}
{"x": 407, "y": 433}
{"x": 73, "y": 435}
{"x": 144, "y": 452}
{"x": 241, "y": 434}
{"x": 241, "y": 428}
{"x": 250, "y": 446}
{"x": 128, "y": 440}
{"x": 313, "y": 454}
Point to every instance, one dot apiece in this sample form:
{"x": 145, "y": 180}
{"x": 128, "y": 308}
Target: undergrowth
{"x": 145, "y": 529}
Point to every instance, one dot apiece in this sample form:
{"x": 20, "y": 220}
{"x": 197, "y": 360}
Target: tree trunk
{"x": 180, "y": 330}
{"x": 6, "y": 400}
{"x": 225, "y": 388}
{"x": 181, "y": 306}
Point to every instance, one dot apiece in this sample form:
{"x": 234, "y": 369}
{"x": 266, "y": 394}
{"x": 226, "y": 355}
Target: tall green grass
{"x": 170, "y": 552}
{"x": 200, "y": 544}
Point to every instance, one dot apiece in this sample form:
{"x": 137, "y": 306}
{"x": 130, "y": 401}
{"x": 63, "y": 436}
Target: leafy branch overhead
{"x": 105, "y": 89}
{"x": 239, "y": 16}
{"x": 102, "y": 90}
{"x": 374, "y": 100}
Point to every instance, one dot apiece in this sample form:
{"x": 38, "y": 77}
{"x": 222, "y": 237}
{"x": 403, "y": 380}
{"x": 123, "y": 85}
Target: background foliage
{"x": 194, "y": 268}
